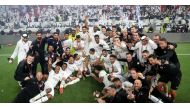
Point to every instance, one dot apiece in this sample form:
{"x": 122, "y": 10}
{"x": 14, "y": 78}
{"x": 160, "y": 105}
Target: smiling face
{"x": 129, "y": 57}
{"x": 163, "y": 44}
{"x": 156, "y": 39}
{"x": 39, "y": 76}
{"x": 57, "y": 68}
{"x": 137, "y": 84}
{"x": 71, "y": 60}
{"x": 145, "y": 55}
{"x": 84, "y": 30}
{"x": 39, "y": 36}
{"x": 152, "y": 61}
{"x": 64, "y": 67}
{"x": 30, "y": 59}
{"x": 134, "y": 74}
{"x": 112, "y": 60}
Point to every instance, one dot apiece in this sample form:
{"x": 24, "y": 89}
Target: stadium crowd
{"x": 21, "y": 18}
{"x": 132, "y": 67}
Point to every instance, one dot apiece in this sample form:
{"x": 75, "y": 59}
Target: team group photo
{"x": 94, "y": 53}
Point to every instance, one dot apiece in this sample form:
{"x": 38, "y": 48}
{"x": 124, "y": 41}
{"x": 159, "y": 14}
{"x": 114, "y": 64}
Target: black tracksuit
{"x": 169, "y": 72}
{"x": 141, "y": 95}
{"x": 120, "y": 97}
{"x": 168, "y": 54}
{"x": 31, "y": 90}
{"x": 38, "y": 49}
{"x": 24, "y": 70}
{"x": 56, "y": 45}
{"x": 133, "y": 64}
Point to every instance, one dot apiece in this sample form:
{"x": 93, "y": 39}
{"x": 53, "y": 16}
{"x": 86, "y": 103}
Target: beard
{"x": 39, "y": 38}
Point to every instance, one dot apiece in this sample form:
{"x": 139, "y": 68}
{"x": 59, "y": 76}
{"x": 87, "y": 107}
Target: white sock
{"x": 154, "y": 99}
{"x": 39, "y": 95}
{"x": 62, "y": 84}
{"x": 41, "y": 100}
{"x": 74, "y": 81}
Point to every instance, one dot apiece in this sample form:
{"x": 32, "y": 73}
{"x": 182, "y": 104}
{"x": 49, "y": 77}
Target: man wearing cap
{"x": 145, "y": 44}
{"x": 21, "y": 49}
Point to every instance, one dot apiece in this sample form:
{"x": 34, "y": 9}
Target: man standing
{"x": 21, "y": 49}
{"x": 38, "y": 49}
{"x": 168, "y": 72}
{"x": 168, "y": 54}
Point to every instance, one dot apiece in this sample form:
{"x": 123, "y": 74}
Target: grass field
{"x": 82, "y": 92}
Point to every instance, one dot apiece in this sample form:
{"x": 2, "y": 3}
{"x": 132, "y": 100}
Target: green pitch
{"x": 81, "y": 92}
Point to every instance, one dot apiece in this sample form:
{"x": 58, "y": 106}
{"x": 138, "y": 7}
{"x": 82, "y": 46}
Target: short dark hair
{"x": 99, "y": 67}
{"x": 30, "y": 54}
{"x": 133, "y": 69}
{"x": 104, "y": 50}
{"x": 96, "y": 35}
{"x": 134, "y": 27}
{"x": 114, "y": 26}
{"x": 104, "y": 27}
{"x": 39, "y": 32}
{"x": 77, "y": 36}
{"x": 92, "y": 49}
{"x": 84, "y": 27}
{"x": 108, "y": 29}
{"x": 65, "y": 64}
{"x": 114, "y": 56}
{"x": 152, "y": 56}
{"x": 129, "y": 53}
{"x": 68, "y": 48}
{"x": 116, "y": 79}
{"x": 163, "y": 39}
{"x": 145, "y": 51}
{"x": 75, "y": 55}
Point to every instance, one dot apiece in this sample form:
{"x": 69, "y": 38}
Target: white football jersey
{"x": 54, "y": 78}
{"x": 106, "y": 82}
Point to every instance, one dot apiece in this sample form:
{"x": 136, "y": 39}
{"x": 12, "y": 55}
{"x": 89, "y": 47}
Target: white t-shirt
{"x": 106, "y": 60}
{"x": 97, "y": 47}
{"x": 81, "y": 44}
{"x": 72, "y": 67}
{"x": 66, "y": 73}
{"x": 106, "y": 82}
{"x": 79, "y": 63}
{"x": 94, "y": 57}
{"x": 115, "y": 68}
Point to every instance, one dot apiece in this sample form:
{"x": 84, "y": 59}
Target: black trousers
{"x": 43, "y": 64}
{"x": 160, "y": 95}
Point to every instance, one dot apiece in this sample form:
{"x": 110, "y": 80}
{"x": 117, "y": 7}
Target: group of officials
{"x": 133, "y": 67}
